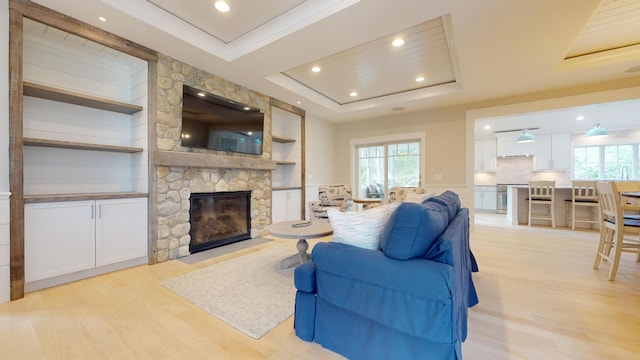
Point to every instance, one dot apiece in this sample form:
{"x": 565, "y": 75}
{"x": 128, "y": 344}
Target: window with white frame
{"x": 610, "y": 162}
{"x": 382, "y": 166}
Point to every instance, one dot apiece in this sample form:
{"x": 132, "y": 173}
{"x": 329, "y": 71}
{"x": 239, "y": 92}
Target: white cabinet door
{"x": 552, "y": 152}
{"x": 278, "y": 206}
{"x": 478, "y": 197}
{"x": 561, "y": 151}
{"x": 542, "y": 159}
{"x": 286, "y": 205}
{"x": 478, "y": 155}
{"x": 121, "y": 230}
{"x": 484, "y": 158}
{"x": 489, "y": 154}
{"x": 293, "y": 205}
{"x": 490, "y": 200}
{"x": 485, "y": 198}
{"x": 59, "y": 238}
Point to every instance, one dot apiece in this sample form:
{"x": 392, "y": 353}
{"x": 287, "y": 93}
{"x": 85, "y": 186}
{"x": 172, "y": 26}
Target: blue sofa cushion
{"x": 412, "y": 229}
{"x": 449, "y": 199}
{"x": 413, "y": 297}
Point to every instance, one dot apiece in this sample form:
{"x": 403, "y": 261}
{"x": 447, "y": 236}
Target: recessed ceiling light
{"x": 316, "y": 69}
{"x": 487, "y": 127}
{"x": 201, "y": 94}
{"x": 246, "y": 108}
{"x": 397, "y": 42}
{"x": 102, "y": 18}
{"x": 419, "y": 79}
{"x": 580, "y": 118}
{"x": 299, "y": 102}
{"x": 353, "y": 93}
{"x": 222, "y": 6}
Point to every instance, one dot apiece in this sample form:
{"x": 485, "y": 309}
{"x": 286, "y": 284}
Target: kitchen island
{"x": 518, "y": 207}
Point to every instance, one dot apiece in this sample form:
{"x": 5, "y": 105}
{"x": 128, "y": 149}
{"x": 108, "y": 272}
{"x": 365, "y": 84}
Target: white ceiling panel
{"x": 377, "y": 68}
{"x": 243, "y": 17}
{"x": 615, "y": 25}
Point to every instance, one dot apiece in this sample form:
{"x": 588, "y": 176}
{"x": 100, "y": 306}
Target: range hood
{"x": 506, "y": 145}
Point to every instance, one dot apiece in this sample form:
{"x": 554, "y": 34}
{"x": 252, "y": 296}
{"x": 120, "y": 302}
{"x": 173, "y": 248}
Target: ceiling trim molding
{"x": 627, "y": 53}
{"x": 288, "y": 23}
{"x": 388, "y": 100}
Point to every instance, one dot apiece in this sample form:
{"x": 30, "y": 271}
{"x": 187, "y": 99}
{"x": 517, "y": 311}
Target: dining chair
{"x": 541, "y": 192}
{"x": 616, "y": 232}
{"x": 583, "y": 194}
{"x": 630, "y": 207}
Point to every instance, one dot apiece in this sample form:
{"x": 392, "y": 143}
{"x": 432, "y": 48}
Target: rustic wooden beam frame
{"x": 18, "y": 10}
{"x": 296, "y": 110}
{"x": 16, "y": 157}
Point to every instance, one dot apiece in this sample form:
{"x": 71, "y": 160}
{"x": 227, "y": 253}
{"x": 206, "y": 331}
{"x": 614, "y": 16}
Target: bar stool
{"x": 585, "y": 194}
{"x": 542, "y": 193}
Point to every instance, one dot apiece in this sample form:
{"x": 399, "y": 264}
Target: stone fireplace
{"x": 218, "y": 219}
{"x": 181, "y": 172}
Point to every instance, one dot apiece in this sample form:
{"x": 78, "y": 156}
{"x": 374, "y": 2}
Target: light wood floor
{"x": 539, "y": 299}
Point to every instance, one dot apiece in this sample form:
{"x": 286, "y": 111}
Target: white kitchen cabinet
{"x": 506, "y": 145}
{"x": 485, "y": 198}
{"x": 552, "y": 152}
{"x": 286, "y": 205}
{"x": 485, "y": 155}
{"x": 71, "y": 236}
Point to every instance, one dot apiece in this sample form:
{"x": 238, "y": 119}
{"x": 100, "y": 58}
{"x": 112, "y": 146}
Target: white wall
{"x": 444, "y": 165}
{"x": 319, "y": 155}
{"x": 4, "y": 151}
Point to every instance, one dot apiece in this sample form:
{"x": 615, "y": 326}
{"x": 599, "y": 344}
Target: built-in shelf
{"x": 280, "y": 139}
{"x": 285, "y": 162}
{"x": 41, "y": 198}
{"x": 79, "y": 146}
{"x": 70, "y": 97}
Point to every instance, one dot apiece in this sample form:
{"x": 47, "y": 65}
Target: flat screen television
{"x": 216, "y": 123}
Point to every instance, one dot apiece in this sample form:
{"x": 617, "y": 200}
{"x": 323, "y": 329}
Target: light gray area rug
{"x": 222, "y": 250}
{"x": 251, "y": 292}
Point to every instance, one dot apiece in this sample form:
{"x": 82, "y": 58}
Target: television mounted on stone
{"x": 215, "y": 123}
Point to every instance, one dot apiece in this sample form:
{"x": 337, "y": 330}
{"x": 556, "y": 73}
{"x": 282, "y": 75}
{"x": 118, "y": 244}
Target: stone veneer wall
{"x": 175, "y": 184}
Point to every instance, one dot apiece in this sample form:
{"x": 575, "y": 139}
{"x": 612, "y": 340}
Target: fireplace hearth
{"x": 219, "y": 218}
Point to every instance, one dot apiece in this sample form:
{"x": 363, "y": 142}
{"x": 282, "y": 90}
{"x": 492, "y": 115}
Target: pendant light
{"x": 597, "y": 131}
{"x": 525, "y": 137}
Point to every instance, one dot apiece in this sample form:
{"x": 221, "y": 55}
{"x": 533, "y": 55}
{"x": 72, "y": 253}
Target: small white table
{"x": 301, "y": 230}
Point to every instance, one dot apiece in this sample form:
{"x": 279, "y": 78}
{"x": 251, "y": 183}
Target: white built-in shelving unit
{"x": 287, "y": 178}
{"x": 85, "y": 137}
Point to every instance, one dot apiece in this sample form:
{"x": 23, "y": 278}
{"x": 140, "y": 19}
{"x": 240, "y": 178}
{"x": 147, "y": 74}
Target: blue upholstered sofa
{"x": 408, "y": 300}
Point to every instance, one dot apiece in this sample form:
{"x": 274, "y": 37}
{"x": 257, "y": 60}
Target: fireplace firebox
{"x": 219, "y": 218}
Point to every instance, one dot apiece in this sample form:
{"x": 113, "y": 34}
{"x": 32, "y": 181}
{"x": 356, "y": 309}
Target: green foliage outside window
{"x": 611, "y": 162}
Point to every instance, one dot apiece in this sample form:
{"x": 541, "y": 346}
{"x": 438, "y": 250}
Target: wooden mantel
{"x": 188, "y": 159}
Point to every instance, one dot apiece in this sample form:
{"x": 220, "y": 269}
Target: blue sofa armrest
{"x": 305, "y": 308}
{"x": 304, "y": 277}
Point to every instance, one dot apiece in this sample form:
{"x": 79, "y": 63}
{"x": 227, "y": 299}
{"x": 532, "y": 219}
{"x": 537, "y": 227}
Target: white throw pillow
{"x": 360, "y": 228}
{"x": 417, "y": 198}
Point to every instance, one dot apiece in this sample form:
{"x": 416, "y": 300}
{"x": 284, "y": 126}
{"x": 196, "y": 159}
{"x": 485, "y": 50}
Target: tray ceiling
{"x": 246, "y": 15}
{"x": 467, "y": 52}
